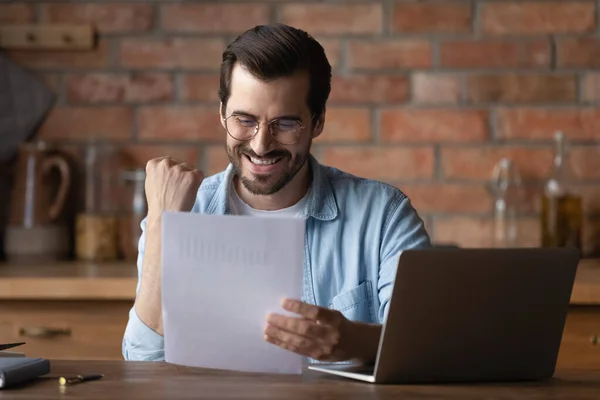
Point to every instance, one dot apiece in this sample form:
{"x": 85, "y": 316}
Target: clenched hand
{"x": 171, "y": 186}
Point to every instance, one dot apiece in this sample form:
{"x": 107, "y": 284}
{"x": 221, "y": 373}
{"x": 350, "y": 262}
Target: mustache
{"x": 247, "y": 150}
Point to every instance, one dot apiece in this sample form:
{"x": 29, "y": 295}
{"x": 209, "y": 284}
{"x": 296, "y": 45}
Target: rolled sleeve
{"x": 404, "y": 230}
{"x": 140, "y": 342}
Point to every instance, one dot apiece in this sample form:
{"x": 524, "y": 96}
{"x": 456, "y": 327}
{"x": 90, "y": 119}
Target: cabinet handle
{"x": 44, "y": 332}
{"x": 595, "y": 339}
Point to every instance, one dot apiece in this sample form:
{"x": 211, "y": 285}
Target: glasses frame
{"x": 258, "y": 124}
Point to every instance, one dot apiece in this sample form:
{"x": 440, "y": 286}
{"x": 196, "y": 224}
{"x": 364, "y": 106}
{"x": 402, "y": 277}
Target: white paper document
{"x": 221, "y": 276}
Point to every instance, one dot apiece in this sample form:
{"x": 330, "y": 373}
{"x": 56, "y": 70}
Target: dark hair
{"x": 274, "y": 51}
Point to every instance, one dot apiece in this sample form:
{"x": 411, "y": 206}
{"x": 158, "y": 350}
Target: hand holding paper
{"x": 318, "y": 333}
{"x": 221, "y": 277}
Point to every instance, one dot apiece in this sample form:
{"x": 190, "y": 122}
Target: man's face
{"x": 263, "y": 165}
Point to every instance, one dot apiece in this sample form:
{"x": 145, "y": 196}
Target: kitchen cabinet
{"x": 79, "y": 311}
{"x": 67, "y": 310}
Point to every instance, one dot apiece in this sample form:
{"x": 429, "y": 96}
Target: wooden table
{"x": 78, "y": 310}
{"x": 149, "y": 380}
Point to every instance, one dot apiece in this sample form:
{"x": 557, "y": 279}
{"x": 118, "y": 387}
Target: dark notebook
{"x": 15, "y": 370}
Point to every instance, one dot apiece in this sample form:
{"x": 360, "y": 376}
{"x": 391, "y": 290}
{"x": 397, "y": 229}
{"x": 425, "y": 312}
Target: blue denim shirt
{"x": 355, "y": 231}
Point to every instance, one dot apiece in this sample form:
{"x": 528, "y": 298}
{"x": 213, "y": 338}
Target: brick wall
{"x": 427, "y": 95}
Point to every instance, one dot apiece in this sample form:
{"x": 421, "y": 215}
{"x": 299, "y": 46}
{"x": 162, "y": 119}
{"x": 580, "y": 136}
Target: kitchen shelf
{"x": 117, "y": 281}
{"x": 69, "y": 280}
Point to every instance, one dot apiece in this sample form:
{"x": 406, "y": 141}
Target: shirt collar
{"x": 321, "y": 201}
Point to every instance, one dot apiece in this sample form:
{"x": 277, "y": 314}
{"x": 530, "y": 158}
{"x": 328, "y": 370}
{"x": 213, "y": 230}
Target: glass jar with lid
{"x": 96, "y": 227}
{"x": 135, "y": 208}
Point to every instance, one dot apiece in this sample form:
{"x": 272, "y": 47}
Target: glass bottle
{"x": 507, "y": 190}
{"x": 96, "y": 226}
{"x": 130, "y": 221}
{"x": 561, "y": 208}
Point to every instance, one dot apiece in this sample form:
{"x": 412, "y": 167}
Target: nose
{"x": 262, "y": 143}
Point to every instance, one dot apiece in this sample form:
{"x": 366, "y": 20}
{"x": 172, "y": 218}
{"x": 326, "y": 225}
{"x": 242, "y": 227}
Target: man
{"x": 275, "y": 81}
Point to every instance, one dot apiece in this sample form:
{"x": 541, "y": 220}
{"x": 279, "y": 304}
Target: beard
{"x": 264, "y": 185}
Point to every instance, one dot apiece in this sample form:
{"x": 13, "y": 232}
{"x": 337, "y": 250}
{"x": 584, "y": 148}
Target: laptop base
{"x": 358, "y": 372}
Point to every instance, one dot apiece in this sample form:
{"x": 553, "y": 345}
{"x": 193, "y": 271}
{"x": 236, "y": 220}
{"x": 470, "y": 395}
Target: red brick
{"x": 216, "y": 159}
{"x": 171, "y": 53}
{"x": 96, "y": 58}
{"x": 477, "y": 232}
{"x": 213, "y": 18}
{"x": 448, "y": 198}
{"x": 189, "y": 123}
{"x": 333, "y": 51}
{"x": 432, "y": 125}
{"x": 537, "y": 18}
{"x": 521, "y": 88}
{"x": 380, "y": 89}
{"x": 200, "y": 87}
{"x": 346, "y": 125}
{"x": 585, "y": 162}
{"x": 590, "y": 87}
{"x": 16, "y": 13}
{"x": 106, "y": 18}
{"x": 320, "y": 19}
{"x": 81, "y": 123}
{"x": 140, "y": 154}
{"x": 375, "y": 54}
{"x": 581, "y": 52}
{"x": 541, "y": 123}
{"x": 385, "y": 163}
{"x": 435, "y": 88}
{"x": 495, "y": 54}
{"x": 480, "y": 198}
{"x": 123, "y": 88}
{"x": 432, "y": 18}
{"x": 477, "y": 163}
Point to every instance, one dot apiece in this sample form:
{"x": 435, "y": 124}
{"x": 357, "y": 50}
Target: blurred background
{"x": 484, "y": 112}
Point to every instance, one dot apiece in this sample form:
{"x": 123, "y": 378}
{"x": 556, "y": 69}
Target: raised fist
{"x": 171, "y": 185}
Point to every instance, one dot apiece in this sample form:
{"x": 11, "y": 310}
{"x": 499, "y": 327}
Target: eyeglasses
{"x": 283, "y": 130}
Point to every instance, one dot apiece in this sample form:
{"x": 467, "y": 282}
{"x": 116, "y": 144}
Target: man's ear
{"x": 319, "y": 124}
{"x": 221, "y": 115}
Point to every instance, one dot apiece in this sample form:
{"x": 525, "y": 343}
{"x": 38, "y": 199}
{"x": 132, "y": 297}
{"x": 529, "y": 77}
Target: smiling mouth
{"x": 263, "y": 161}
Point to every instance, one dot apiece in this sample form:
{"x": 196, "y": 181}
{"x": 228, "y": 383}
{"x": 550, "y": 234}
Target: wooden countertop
{"x": 68, "y": 281}
{"x": 159, "y": 380}
{"x": 117, "y": 281}
{"x": 586, "y": 290}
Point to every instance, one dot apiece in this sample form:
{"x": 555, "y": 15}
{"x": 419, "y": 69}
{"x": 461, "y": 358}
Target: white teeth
{"x": 264, "y": 162}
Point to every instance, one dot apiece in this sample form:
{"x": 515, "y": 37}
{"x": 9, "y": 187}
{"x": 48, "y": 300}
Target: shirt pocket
{"x": 356, "y": 304}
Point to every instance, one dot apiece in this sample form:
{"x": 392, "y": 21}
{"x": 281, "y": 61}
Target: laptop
{"x": 472, "y": 315}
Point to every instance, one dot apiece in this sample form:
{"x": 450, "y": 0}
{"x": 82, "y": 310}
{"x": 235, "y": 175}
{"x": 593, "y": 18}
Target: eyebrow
{"x": 248, "y": 114}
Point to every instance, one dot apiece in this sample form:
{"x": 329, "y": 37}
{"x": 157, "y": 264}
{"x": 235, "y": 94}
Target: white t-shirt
{"x": 238, "y": 207}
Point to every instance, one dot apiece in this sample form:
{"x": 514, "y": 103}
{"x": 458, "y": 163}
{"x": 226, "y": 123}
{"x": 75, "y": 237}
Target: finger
{"x": 300, "y": 326}
{"x": 155, "y": 161}
{"x": 168, "y": 159}
{"x": 283, "y": 345}
{"x": 298, "y": 342}
{"x": 316, "y": 353}
{"x": 309, "y": 311}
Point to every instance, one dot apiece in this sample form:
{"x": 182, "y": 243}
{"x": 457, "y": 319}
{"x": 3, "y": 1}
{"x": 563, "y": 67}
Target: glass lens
{"x": 285, "y": 131}
{"x": 241, "y": 127}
